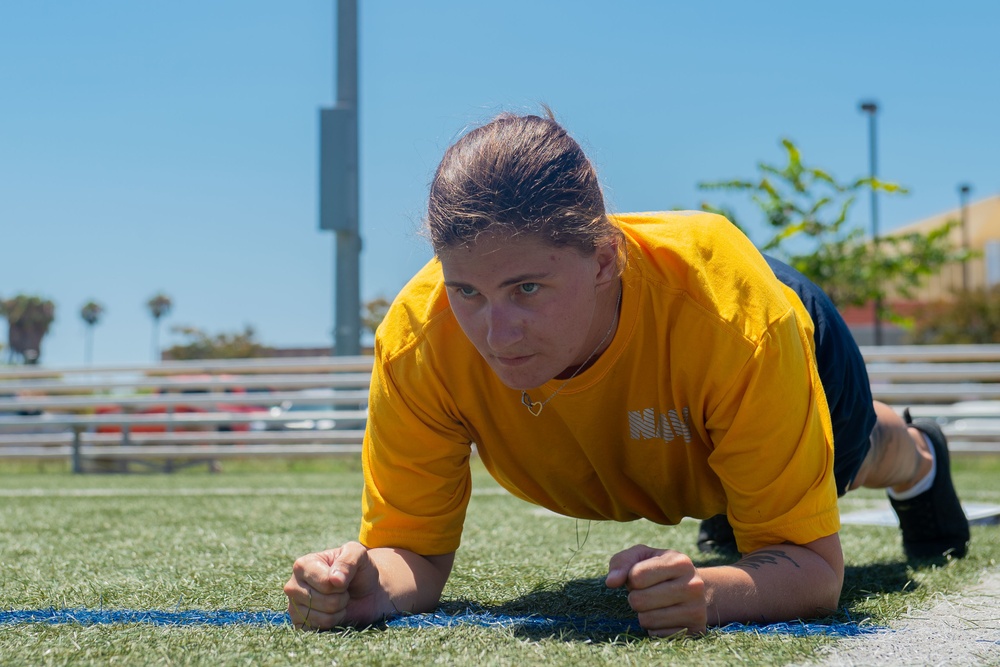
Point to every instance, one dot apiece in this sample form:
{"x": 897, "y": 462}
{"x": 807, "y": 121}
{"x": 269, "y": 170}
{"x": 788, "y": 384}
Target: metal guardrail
{"x": 358, "y": 364}
{"x": 333, "y": 436}
{"x": 908, "y": 394}
{"x": 177, "y": 420}
{"x": 192, "y": 383}
{"x": 264, "y": 400}
{"x": 936, "y": 353}
{"x": 880, "y": 371}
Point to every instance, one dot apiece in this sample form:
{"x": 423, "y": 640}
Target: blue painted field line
{"x": 802, "y": 629}
{"x": 611, "y": 626}
{"x": 153, "y": 617}
{"x": 486, "y": 619}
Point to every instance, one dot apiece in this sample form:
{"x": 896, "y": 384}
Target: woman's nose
{"x": 504, "y": 328}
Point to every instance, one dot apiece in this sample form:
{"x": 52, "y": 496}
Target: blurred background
{"x": 171, "y": 149}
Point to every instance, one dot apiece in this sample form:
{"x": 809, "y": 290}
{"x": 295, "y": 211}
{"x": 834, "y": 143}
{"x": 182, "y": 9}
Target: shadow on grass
{"x": 864, "y": 581}
{"x": 582, "y": 610}
{"x": 585, "y": 610}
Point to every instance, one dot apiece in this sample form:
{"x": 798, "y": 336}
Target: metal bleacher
{"x": 958, "y": 385}
{"x": 182, "y": 413}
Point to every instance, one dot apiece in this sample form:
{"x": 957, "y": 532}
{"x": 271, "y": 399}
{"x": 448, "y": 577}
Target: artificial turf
{"x": 198, "y": 541}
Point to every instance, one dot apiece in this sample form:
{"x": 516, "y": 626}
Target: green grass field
{"x": 194, "y": 540}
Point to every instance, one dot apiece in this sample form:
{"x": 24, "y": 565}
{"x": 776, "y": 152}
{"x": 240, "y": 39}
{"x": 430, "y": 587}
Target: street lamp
{"x": 963, "y": 197}
{"x": 339, "y": 191}
{"x": 870, "y": 107}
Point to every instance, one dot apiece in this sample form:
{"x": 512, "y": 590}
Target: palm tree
{"x": 91, "y": 313}
{"x": 28, "y": 320}
{"x": 159, "y": 306}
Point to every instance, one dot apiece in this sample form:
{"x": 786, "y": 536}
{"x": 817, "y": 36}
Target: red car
{"x": 181, "y": 409}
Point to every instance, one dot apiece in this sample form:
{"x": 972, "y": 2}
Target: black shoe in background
{"x": 715, "y": 536}
{"x": 934, "y": 524}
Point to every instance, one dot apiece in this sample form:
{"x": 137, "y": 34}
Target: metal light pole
{"x": 870, "y": 107}
{"x": 963, "y": 197}
{"x": 339, "y": 183}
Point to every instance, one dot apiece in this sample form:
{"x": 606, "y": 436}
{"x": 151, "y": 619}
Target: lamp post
{"x": 963, "y": 197}
{"x": 870, "y": 107}
{"x": 338, "y": 183}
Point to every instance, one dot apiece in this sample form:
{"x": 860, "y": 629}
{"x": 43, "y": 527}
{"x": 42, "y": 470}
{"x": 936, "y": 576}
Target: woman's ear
{"x": 607, "y": 261}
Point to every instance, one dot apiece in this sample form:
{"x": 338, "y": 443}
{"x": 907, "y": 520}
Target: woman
{"x": 617, "y": 367}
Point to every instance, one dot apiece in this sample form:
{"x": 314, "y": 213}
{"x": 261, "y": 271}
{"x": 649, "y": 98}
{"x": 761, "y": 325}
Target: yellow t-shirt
{"x": 707, "y": 400}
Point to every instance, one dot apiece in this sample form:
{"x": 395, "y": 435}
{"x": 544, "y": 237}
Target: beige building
{"x": 982, "y": 231}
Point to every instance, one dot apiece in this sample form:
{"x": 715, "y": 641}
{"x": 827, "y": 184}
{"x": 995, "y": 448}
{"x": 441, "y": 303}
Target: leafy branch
{"x": 807, "y": 214}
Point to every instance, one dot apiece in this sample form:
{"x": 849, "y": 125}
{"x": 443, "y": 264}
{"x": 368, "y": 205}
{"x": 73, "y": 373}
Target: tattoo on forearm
{"x": 767, "y": 557}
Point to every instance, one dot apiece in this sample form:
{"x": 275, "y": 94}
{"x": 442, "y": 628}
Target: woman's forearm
{"x": 779, "y": 583}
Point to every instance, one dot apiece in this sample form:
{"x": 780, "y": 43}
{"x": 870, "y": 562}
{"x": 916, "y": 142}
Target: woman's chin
{"x": 519, "y": 379}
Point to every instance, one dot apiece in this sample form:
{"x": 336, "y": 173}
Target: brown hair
{"x": 518, "y": 175}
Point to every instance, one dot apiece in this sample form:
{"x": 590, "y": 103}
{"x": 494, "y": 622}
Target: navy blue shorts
{"x": 842, "y": 372}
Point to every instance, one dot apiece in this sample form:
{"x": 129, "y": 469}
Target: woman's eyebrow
{"x": 525, "y": 278}
{"x": 514, "y": 280}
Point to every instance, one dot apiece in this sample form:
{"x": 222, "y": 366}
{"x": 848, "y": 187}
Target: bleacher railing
{"x": 195, "y": 411}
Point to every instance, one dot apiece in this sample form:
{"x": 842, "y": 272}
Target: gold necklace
{"x": 535, "y": 407}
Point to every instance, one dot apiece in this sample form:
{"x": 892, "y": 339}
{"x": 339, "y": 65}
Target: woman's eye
{"x": 529, "y": 288}
{"x": 467, "y": 292}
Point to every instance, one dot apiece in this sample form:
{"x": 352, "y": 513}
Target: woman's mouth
{"x": 513, "y": 361}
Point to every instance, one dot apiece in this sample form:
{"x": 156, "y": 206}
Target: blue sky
{"x": 148, "y": 146}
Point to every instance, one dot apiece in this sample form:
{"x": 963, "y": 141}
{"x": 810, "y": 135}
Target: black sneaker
{"x": 715, "y": 536}
{"x": 933, "y": 523}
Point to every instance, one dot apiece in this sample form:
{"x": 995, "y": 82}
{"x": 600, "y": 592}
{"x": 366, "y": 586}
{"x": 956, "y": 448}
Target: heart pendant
{"x": 534, "y": 407}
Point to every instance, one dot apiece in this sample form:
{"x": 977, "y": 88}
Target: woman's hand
{"x": 334, "y": 588}
{"x": 354, "y": 585}
{"x": 665, "y": 590}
